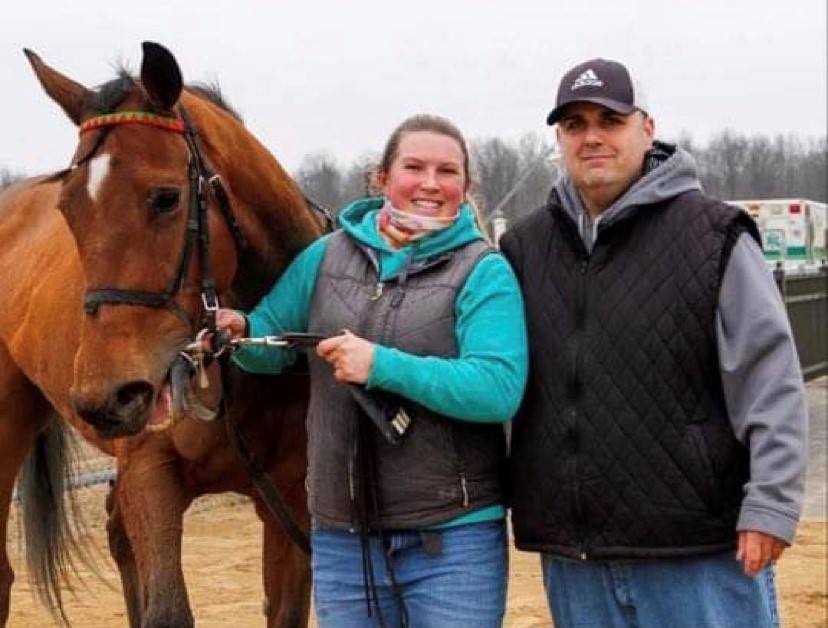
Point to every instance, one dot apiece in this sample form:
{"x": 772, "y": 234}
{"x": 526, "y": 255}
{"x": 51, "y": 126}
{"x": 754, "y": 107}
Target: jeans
{"x": 697, "y": 592}
{"x": 461, "y": 584}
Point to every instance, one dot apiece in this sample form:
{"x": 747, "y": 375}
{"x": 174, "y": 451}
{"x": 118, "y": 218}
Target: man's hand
{"x": 350, "y": 356}
{"x": 757, "y": 549}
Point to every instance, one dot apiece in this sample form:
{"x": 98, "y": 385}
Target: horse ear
{"x": 160, "y": 75}
{"x": 71, "y": 96}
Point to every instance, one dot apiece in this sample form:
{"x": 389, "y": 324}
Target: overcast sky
{"x": 310, "y": 76}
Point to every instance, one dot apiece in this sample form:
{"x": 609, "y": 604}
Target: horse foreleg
{"x": 151, "y": 502}
{"x": 285, "y": 567}
{"x": 121, "y": 550}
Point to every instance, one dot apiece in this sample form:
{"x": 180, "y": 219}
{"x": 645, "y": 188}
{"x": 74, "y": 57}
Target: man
{"x": 664, "y": 423}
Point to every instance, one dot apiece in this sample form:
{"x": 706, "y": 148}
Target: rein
{"x": 196, "y": 242}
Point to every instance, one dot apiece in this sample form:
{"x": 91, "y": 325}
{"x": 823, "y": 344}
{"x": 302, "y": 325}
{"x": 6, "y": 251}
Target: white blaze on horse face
{"x": 98, "y": 170}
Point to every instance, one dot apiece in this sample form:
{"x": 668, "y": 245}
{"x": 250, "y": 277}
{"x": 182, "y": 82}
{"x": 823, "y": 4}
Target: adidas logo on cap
{"x": 587, "y": 78}
{"x": 608, "y": 83}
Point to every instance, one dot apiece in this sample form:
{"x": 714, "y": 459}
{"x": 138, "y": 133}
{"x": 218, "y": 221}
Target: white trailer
{"x": 794, "y": 231}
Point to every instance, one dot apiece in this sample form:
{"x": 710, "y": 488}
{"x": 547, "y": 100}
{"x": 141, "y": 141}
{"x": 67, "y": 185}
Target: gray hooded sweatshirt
{"x": 761, "y": 377}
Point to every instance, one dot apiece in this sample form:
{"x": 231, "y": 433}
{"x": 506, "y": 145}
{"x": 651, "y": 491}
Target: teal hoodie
{"x": 483, "y": 383}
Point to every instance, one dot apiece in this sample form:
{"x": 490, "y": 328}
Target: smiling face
{"x": 427, "y": 175}
{"x": 603, "y": 151}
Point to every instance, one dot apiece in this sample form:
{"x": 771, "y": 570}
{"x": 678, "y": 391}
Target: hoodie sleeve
{"x": 284, "y": 309}
{"x": 485, "y": 382}
{"x": 764, "y": 392}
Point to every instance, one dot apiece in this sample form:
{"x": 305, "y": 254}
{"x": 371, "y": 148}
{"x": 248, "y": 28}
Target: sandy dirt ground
{"x": 221, "y": 562}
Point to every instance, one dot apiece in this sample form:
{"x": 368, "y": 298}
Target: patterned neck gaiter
{"x": 401, "y": 228}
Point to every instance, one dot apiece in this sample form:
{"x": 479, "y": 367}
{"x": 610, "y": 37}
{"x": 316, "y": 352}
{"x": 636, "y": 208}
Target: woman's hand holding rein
{"x": 351, "y": 357}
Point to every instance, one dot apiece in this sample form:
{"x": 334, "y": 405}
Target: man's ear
{"x": 649, "y": 127}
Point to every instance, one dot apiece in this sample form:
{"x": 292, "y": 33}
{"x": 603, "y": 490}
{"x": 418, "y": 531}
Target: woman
{"x": 417, "y": 309}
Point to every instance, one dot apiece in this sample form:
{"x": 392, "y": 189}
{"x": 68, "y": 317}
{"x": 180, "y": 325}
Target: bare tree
{"x": 814, "y": 171}
{"x": 760, "y": 166}
{"x": 496, "y": 167}
{"x": 730, "y": 166}
{"x": 359, "y": 179}
{"x": 541, "y": 174}
{"x": 726, "y": 157}
{"x": 735, "y": 166}
{"x": 513, "y": 177}
{"x": 320, "y": 178}
{"x": 7, "y": 177}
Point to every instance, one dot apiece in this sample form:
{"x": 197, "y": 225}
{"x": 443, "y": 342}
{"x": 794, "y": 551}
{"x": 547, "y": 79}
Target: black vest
{"x": 623, "y": 446}
{"x": 443, "y": 468}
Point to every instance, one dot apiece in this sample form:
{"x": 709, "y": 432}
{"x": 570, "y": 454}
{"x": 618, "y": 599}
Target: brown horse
{"x": 74, "y": 343}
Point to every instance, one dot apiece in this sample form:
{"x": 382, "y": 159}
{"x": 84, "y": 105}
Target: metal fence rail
{"x": 806, "y": 298}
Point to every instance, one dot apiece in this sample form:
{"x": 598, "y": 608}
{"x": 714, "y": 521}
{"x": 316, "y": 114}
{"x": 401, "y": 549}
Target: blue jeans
{"x": 697, "y": 592}
{"x": 463, "y": 585}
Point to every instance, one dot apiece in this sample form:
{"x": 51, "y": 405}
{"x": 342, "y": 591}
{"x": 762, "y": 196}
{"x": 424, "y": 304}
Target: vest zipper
{"x": 377, "y": 291}
{"x": 464, "y": 488}
{"x": 577, "y": 373}
{"x": 351, "y": 490}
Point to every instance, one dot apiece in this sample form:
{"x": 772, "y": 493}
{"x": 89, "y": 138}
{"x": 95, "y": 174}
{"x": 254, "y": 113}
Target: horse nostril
{"x": 137, "y": 393}
{"x": 114, "y": 413}
{"x": 96, "y": 415}
{"x": 93, "y": 415}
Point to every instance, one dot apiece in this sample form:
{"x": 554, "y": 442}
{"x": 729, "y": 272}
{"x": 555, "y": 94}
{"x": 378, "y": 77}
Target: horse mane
{"x": 108, "y": 96}
{"x": 212, "y": 91}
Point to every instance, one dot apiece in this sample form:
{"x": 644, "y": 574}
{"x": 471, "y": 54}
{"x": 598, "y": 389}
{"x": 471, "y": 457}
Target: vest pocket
{"x": 707, "y": 481}
{"x": 459, "y": 464}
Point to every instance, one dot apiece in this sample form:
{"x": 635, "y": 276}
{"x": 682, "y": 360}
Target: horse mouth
{"x": 161, "y": 413}
{"x": 177, "y": 398}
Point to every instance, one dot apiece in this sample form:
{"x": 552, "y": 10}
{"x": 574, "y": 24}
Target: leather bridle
{"x": 197, "y": 231}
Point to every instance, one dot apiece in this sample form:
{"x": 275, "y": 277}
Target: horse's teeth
{"x": 158, "y": 427}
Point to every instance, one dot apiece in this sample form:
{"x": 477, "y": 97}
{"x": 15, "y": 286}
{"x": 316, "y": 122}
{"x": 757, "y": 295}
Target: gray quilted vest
{"x": 444, "y": 467}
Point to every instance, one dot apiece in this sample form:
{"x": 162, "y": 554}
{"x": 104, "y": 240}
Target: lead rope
{"x": 368, "y": 511}
{"x": 361, "y": 514}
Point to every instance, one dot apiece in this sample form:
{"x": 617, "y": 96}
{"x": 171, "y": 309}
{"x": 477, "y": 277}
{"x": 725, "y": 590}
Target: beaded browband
{"x": 167, "y": 123}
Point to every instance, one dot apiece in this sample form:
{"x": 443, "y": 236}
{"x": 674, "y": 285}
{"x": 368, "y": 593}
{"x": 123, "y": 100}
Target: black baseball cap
{"x": 601, "y": 81}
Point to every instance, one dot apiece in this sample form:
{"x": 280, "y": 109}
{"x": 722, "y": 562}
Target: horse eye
{"x": 164, "y": 200}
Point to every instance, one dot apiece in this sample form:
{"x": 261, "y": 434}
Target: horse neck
{"x": 269, "y": 207}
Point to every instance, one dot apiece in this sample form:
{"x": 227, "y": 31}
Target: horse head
{"x": 173, "y": 205}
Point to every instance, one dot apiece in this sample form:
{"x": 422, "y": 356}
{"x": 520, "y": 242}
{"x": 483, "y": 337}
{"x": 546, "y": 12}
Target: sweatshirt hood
{"x": 668, "y": 172}
{"x": 359, "y": 220}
